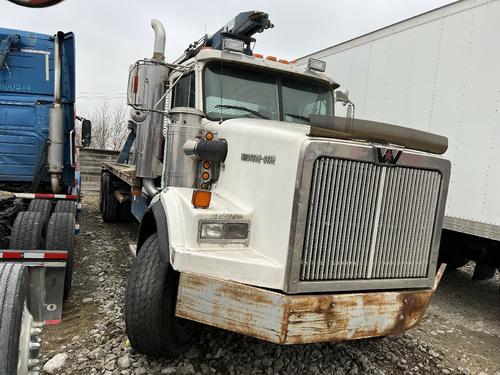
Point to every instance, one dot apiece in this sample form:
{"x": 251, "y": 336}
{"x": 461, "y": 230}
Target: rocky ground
{"x": 459, "y": 335}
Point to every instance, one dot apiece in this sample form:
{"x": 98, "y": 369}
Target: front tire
{"x": 151, "y": 324}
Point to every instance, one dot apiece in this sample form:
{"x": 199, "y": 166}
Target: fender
{"x": 155, "y": 221}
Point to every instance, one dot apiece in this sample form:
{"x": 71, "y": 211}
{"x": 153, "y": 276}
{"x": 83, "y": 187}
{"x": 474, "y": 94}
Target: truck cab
{"x": 265, "y": 214}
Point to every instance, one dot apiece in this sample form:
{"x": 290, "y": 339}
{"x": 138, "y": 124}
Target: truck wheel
{"x": 452, "y": 250}
{"x": 41, "y": 205}
{"x": 66, "y": 207}
{"x": 15, "y": 320}
{"x": 109, "y": 201}
{"x": 452, "y": 263}
{"x": 151, "y": 324}
{"x": 27, "y": 231}
{"x": 61, "y": 236}
{"x": 125, "y": 212}
{"x": 101, "y": 195}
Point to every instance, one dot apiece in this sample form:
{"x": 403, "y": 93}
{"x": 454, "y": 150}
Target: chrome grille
{"x": 368, "y": 221}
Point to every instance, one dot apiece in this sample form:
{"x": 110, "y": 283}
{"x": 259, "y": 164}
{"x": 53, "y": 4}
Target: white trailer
{"x": 439, "y": 72}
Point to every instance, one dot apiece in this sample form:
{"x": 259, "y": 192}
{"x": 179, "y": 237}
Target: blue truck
{"x": 39, "y": 189}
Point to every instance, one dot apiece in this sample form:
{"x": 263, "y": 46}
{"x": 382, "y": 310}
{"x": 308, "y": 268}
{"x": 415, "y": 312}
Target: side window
{"x": 184, "y": 92}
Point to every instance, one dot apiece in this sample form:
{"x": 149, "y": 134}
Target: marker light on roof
{"x": 316, "y": 65}
{"x": 234, "y": 45}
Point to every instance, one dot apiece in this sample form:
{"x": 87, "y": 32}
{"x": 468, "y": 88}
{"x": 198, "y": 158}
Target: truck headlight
{"x": 211, "y": 230}
{"x": 232, "y": 231}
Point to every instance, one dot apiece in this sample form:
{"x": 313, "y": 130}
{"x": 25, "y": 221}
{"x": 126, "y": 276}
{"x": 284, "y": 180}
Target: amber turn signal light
{"x": 201, "y": 198}
{"x": 209, "y": 136}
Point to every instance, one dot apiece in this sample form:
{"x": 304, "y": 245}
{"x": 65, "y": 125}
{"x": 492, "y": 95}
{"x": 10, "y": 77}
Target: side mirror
{"x": 86, "y": 133}
{"x": 342, "y": 95}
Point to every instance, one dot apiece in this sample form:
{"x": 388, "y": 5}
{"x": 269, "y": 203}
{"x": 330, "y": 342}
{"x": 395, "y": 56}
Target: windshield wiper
{"x": 258, "y": 114}
{"x": 299, "y": 117}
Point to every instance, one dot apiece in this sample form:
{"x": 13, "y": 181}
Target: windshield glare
{"x": 231, "y": 91}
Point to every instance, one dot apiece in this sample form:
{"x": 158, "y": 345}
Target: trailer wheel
{"x": 151, "y": 324}
{"x": 66, "y": 207}
{"x": 109, "y": 201}
{"x": 41, "y": 205}
{"x": 61, "y": 236}
{"x": 15, "y": 320}
{"x": 27, "y": 231}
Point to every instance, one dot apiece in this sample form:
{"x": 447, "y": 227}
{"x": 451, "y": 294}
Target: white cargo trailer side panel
{"x": 437, "y": 72}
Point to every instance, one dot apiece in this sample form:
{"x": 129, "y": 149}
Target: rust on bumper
{"x": 296, "y": 319}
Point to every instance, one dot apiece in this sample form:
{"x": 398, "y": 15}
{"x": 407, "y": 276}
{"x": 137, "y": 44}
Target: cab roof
{"x": 209, "y": 54}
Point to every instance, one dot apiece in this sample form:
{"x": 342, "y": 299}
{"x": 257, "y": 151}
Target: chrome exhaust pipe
{"x": 55, "y": 154}
{"x": 149, "y": 185}
{"x": 159, "y": 47}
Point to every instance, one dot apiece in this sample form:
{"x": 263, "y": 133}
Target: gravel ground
{"x": 459, "y": 335}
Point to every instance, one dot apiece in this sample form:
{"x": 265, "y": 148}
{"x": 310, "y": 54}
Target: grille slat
{"x": 368, "y": 221}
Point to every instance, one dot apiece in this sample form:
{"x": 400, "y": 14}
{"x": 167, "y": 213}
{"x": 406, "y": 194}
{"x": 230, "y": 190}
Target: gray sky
{"x": 112, "y": 34}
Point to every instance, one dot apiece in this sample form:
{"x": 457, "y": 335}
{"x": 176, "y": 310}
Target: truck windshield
{"x": 232, "y": 91}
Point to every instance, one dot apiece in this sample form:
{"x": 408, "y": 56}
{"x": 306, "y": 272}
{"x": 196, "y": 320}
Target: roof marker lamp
{"x": 234, "y": 45}
{"x": 316, "y": 65}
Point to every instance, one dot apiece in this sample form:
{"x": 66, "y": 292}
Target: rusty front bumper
{"x": 296, "y": 319}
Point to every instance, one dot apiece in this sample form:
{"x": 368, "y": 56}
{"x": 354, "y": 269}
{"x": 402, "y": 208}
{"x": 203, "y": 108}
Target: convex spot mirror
{"x": 36, "y": 3}
{"x": 86, "y": 133}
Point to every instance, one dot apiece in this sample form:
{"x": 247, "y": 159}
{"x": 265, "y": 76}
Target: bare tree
{"x": 109, "y": 126}
{"x": 119, "y": 118}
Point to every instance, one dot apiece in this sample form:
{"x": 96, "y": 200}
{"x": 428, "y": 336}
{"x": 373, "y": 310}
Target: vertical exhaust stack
{"x": 150, "y": 82}
{"x": 55, "y": 155}
{"x": 159, "y": 47}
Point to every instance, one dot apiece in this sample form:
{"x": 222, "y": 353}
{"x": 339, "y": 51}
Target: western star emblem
{"x": 388, "y": 156}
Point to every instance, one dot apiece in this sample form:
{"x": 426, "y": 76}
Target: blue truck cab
{"x": 27, "y": 90}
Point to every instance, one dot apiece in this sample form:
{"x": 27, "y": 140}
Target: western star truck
{"x": 437, "y": 72}
{"x": 263, "y": 213}
{"x": 39, "y": 189}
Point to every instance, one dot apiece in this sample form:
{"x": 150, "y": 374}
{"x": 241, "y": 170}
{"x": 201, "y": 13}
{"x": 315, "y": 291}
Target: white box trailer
{"x": 439, "y": 72}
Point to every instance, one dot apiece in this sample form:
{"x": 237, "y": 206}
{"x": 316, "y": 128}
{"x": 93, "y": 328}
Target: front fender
{"x": 155, "y": 221}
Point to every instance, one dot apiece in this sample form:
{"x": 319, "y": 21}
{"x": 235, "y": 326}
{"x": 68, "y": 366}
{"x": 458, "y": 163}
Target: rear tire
{"x": 27, "y": 231}
{"x": 66, "y": 207}
{"x": 13, "y": 296}
{"x": 101, "y": 194}
{"x": 109, "y": 201}
{"x": 41, "y": 205}
{"x": 61, "y": 236}
{"x": 452, "y": 250}
{"x": 151, "y": 324}
{"x": 125, "y": 212}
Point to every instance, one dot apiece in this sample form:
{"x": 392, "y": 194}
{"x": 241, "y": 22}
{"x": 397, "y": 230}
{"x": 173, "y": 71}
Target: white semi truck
{"x": 438, "y": 72}
{"x": 260, "y": 211}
